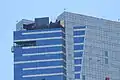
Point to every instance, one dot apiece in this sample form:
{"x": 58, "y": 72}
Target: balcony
{"x": 24, "y": 44}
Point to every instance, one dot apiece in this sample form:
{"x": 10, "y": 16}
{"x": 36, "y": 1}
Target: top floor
{"x": 38, "y": 23}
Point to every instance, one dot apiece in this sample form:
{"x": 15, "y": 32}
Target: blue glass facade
{"x": 40, "y": 54}
{"x": 77, "y": 76}
{"x": 79, "y": 33}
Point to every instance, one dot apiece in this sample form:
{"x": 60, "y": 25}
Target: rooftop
{"x": 38, "y": 23}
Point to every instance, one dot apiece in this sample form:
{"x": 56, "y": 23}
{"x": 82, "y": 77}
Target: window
{"x": 77, "y": 76}
{"x": 79, "y": 32}
{"x": 106, "y": 60}
{"x": 77, "y": 68}
{"x": 78, "y": 61}
{"x": 106, "y": 53}
{"x": 78, "y": 39}
{"x": 78, "y": 47}
{"x": 78, "y": 54}
{"x": 83, "y": 77}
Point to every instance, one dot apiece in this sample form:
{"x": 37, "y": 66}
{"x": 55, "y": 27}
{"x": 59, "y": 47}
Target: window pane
{"x": 83, "y": 77}
{"x": 77, "y": 68}
{"x": 106, "y": 53}
{"x": 106, "y": 60}
{"x": 77, "y": 61}
{"x": 77, "y": 76}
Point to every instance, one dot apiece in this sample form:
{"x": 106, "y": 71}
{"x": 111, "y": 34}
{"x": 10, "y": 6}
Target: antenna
{"x": 64, "y": 21}
{"x": 17, "y": 21}
{"x": 64, "y": 9}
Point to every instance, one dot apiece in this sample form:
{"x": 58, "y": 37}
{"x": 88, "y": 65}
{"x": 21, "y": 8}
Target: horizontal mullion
{"x": 79, "y": 36}
{"x": 78, "y": 43}
{"x": 78, "y": 58}
{"x": 77, "y": 72}
{"x": 48, "y": 67}
{"x": 78, "y": 65}
{"x": 78, "y": 50}
{"x": 45, "y": 46}
{"x": 34, "y": 54}
{"x": 38, "y": 75}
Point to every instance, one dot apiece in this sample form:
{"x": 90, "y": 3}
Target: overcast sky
{"x": 15, "y": 10}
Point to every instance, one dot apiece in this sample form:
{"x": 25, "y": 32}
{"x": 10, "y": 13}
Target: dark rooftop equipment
{"x": 55, "y": 25}
{"x": 41, "y": 22}
{"x": 29, "y": 26}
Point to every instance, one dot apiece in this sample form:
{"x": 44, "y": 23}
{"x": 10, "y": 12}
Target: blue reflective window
{"x": 79, "y": 32}
{"x": 18, "y": 34}
{"x": 78, "y": 47}
{"x": 49, "y": 42}
{"x": 77, "y": 76}
{"x": 78, "y": 39}
{"x": 79, "y": 27}
{"x": 78, "y": 54}
{"x": 77, "y": 68}
{"x": 39, "y": 30}
{"x": 44, "y": 71}
{"x": 41, "y": 64}
{"x": 17, "y": 76}
{"x": 17, "y": 55}
{"x": 40, "y": 50}
{"x": 17, "y": 72}
{"x": 78, "y": 61}
{"x": 33, "y": 36}
{"x": 39, "y": 57}
{"x": 18, "y": 50}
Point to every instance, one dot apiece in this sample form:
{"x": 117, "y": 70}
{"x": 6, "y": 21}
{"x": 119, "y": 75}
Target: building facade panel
{"x": 101, "y": 36}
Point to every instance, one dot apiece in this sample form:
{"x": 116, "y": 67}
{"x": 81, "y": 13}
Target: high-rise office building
{"x": 75, "y": 47}
{"x": 39, "y": 50}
